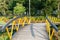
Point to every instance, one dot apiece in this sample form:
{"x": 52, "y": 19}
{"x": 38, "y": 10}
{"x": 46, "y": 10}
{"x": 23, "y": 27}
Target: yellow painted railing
{"x": 15, "y": 25}
{"x": 54, "y": 19}
{"x": 51, "y": 34}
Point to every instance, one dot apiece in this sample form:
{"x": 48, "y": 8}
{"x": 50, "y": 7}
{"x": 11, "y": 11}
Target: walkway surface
{"x": 34, "y": 31}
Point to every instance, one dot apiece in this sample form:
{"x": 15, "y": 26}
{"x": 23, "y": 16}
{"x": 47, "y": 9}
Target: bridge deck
{"x": 35, "y": 31}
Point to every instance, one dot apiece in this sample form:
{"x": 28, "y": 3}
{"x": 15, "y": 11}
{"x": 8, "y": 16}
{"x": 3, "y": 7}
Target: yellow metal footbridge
{"x": 25, "y": 30}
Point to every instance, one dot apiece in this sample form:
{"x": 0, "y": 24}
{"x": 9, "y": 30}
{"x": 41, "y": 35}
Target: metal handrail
{"x": 52, "y": 24}
{"x": 10, "y": 21}
{"x": 7, "y": 24}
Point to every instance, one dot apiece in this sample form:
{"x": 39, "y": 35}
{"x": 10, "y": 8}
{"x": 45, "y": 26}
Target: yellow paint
{"x": 48, "y": 30}
{"x": 19, "y": 22}
{"x": 23, "y": 24}
{"x": 17, "y": 28}
{"x": 52, "y": 34}
{"x": 9, "y": 34}
{"x": 29, "y": 21}
{"x": 48, "y": 27}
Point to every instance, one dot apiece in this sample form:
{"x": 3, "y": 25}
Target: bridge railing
{"x": 50, "y": 25}
{"x": 15, "y": 24}
{"x": 54, "y": 19}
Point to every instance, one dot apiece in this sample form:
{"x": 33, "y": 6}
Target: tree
{"x": 3, "y": 7}
{"x": 7, "y": 6}
{"x": 47, "y": 6}
{"x": 19, "y": 9}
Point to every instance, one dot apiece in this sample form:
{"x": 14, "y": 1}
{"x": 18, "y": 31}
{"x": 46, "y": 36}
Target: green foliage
{"x": 46, "y": 6}
{"x": 3, "y": 7}
{"x": 9, "y": 7}
{"x": 2, "y": 23}
{"x": 19, "y": 9}
{"x": 4, "y": 36}
{"x": 20, "y": 1}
